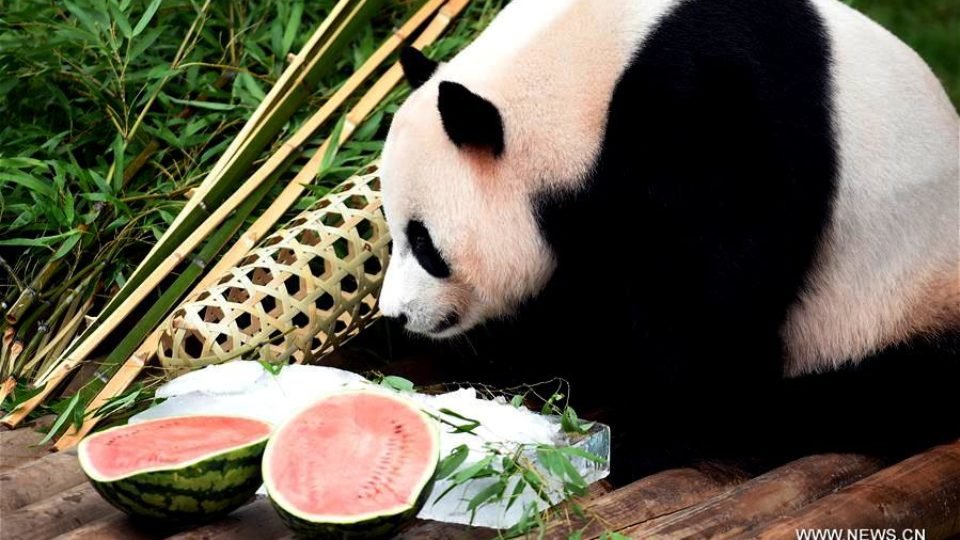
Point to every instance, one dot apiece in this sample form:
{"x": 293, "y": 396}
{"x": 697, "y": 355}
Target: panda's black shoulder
{"x": 737, "y": 71}
{"x": 718, "y": 168}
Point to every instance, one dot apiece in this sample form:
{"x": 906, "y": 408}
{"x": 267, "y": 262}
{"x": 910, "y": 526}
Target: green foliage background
{"x": 931, "y": 27}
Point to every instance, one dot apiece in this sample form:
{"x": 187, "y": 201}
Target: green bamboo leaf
{"x": 574, "y": 488}
{"x": 211, "y": 105}
{"x": 118, "y": 149}
{"x": 332, "y": 148}
{"x": 517, "y": 491}
{"x": 571, "y": 472}
{"x": 85, "y": 18}
{"x": 492, "y": 491}
{"x": 547, "y": 457}
{"x": 548, "y": 407}
{"x": 21, "y": 393}
{"x": 478, "y": 469}
{"x": 292, "y": 27}
{"x": 471, "y": 424}
{"x": 452, "y": 462}
{"x": 42, "y": 241}
{"x": 67, "y": 245}
{"x": 33, "y": 184}
{"x": 138, "y": 46}
{"x": 571, "y": 423}
{"x": 21, "y": 162}
{"x": 581, "y": 453}
{"x": 146, "y": 17}
{"x": 532, "y": 480}
{"x": 121, "y": 20}
{"x": 121, "y": 402}
{"x": 61, "y": 420}
{"x": 369, "y": 128}
{"x": 397, "y": 383}
{"x": 6, "y": 86}
{"x": 252, "y": 86}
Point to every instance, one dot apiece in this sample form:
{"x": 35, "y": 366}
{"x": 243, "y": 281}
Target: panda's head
{"x": 466, "y": 243}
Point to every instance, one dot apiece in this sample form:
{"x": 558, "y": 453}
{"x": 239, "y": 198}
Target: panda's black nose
{"x": 400, "y": 320}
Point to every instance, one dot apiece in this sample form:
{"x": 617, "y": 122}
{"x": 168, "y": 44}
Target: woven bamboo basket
{"x": 306, "y": 290}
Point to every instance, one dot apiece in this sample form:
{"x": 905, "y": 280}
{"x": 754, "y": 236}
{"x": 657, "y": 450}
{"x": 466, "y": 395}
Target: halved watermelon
{"x": 187, "y": 468}
{"x": 353, "y": 464}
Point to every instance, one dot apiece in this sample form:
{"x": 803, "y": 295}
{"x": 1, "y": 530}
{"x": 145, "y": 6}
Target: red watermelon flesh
{"x": 351, "y": 457}
{"x": 166, "y": 443}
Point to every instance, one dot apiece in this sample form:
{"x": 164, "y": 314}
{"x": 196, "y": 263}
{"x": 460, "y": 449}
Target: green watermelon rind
{"x": 382, "y": 526}
{"x": 368, "y": 526}
{"x": 202, "y": 489}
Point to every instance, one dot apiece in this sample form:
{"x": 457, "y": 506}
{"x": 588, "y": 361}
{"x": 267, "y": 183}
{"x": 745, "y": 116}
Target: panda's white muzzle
{"x": 416, "y": 299}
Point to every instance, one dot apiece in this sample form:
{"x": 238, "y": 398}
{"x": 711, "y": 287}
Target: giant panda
{"x": 734, "y": 221}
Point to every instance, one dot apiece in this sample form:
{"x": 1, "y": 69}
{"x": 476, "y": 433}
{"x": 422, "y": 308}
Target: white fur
{"x": 550, "y": 67}
{"x": 889, "y": 266}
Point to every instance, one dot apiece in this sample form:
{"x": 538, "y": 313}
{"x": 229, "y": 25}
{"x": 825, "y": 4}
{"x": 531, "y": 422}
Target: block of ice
{"x": 245, "y": 388}
{"x": 453, "y": 507}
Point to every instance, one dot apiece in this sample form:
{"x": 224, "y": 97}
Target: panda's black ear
{"x": 416, "y": 67}
{"x": 470, "y": 120}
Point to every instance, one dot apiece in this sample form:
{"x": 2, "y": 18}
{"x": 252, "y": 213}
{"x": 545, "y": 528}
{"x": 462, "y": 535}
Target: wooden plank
{"x": 922, "y": 492}
{"x": 255, "y": 521}
{"x": 56, "y": 515}
{"x": 20, "y": 446}
{"x": 765, "y": 497}
{"x": 116, "y": 526}
{"x": 435, "y": 530}
{"x": 643, "y": 500}
{"x": 39, "y": 479}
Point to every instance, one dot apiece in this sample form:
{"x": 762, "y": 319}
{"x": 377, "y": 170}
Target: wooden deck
{"x": 44, "y": 495}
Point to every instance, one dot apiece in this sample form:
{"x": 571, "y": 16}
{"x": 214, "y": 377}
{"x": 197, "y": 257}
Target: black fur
{"x": 470, "y": 120}
{"x": 421, "y": 244}
{"x": 676, "y": 267}
{"x": 417, "y": 68}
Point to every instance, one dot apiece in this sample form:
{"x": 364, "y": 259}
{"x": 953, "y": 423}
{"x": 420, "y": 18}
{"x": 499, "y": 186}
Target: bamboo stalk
{"x": 278, "y": 92}
{"x": 122, "y": 352}
{"x": 29, "y": 294}
{"x": 153, "y": 316}
{"x": 286, "y": 198}
{"x": 51, "y": 376}
{"x": 44, "y": 333}
{"x": 134, "y": 365}
{"x": 64, "y": 337}
{"x": 6, "y": 388}
{"x": 135, "y": 290}
{"x": 6, "y": 340}
{"x": 70, "y": 325}
{"x": 109, "y": 322}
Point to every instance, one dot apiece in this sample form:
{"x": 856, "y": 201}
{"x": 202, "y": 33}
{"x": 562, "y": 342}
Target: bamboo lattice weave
{"x": 304, "y": 291}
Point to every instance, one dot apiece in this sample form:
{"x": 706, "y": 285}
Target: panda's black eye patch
{"x": 423, "y": 249}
